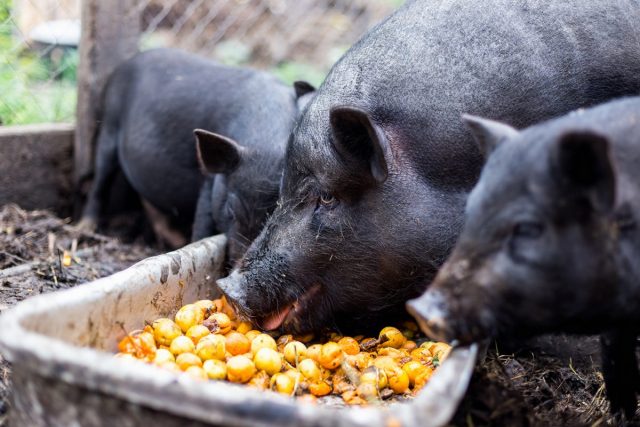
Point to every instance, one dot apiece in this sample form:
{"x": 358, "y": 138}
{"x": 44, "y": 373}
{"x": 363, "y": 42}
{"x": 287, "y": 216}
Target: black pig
{"x": 551, "y": 241}
{"x": 151, "y": 106}
{"x": 379, "y": 166}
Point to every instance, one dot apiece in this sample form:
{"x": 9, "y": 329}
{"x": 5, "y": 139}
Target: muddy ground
{"x": 552, "y": 381}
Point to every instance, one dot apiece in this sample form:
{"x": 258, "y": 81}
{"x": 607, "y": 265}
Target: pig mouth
{"x": 291, "y": 310}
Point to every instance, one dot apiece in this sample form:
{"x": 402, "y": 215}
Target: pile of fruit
{"x": 206, "y": 341}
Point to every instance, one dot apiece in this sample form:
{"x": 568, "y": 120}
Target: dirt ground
{"x": 552, "y": 381}
{"x": 32, "y": 261}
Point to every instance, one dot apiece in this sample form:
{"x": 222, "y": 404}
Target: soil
{"x": 550, "y": 381}
{"x": 32, "y": 261}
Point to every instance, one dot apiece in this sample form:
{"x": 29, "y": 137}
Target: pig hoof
{"x": 87, "y": 225}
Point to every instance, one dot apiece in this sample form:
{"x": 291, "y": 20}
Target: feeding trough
{"x": 61, "y": 348}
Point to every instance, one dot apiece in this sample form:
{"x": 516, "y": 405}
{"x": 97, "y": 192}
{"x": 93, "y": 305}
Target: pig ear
{"x": 488, "y": 133}
{"x": 302, "y": 88}
{"x": 358, "y": 140}
{"x": 217, "y": 153}
{"x": 583, "y": 167}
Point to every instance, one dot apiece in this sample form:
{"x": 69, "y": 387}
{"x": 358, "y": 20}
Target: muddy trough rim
{"x": 211, "y": 401}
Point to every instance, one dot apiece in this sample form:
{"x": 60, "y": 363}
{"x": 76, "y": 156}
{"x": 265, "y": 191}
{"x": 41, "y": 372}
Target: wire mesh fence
{"x": 38, "y": 60}
{"x": 296, "y": 39}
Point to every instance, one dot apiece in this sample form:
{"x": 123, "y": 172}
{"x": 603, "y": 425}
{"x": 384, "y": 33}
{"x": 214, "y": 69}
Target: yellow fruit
{"x": 211, "y": 347}
{"x": 237, "y": 343}
{"x": 350, "y": 397}
{"x": 182, "y": 344}
{"x": 367, "y": 391}
{"x": 138, "y": 343}
{"x": 399, "y": 382}
{"x": 165, "y": 331}
{"x": 184, "y": 360}
{"x": 252, "y": 334}
{"x": 244, "y": 327}
{"x": 282, "y": 383}
{"x": 386, "y": 364}
{"x": 196, "y": 372}
{"x": 421, "y": 354}
{"x": 321, "y": 388}
{"x": 227, "y": 309}
{"x": 162, "y": 356}
{"x": 391, "y": 337}
{"x": 283, "y": 340}
{"x": 240, "y": 369}
{"x": 360, "y": 360}
{"x": 294, "y": 351}
{"x": 310, "y": 370}
{"x": 218, "y": 323}
{"x": 409, "y": 345}
{"x": 413, "y": 369}
{"x": 296, "y": 376}
{"x": 188, "y": 316}
{"x": 196, "y": 332}
{"x": 268, "y": 360}
{"x": 259, "y": 381}
{"x": 440, "y": 351}
{"x": 263, "y": 341}
{"x": 374, "y": 376}
{"x": 215, "y": 369}
{"x": 330, "y": 355}
{"x": 206, "y": 306}
{"x": 349, "y": 345}
{"x": 313, "y": 352}
{"x": 422, "y": 378}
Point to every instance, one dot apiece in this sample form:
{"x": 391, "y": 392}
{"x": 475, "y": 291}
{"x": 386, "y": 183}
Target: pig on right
{"x": 550, "y": 241}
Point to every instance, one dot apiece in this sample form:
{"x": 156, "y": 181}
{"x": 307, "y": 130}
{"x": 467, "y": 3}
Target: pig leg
{"x": 203, "y": 225}
{"x": 106, "y": 168}
{"x": 166, "y": 235}
{"x": 620, "y": 370}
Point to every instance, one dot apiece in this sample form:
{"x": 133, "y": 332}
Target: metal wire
{"x": 270, "y": 32}
{"x": 262, "y": 33}
{"x": 37, "y": 67}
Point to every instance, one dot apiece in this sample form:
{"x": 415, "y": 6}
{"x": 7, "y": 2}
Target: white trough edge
{"x": 212, "y": 402}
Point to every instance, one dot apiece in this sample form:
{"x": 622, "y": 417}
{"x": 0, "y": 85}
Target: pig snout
{"x": 432, "y": 314}
{"x": 458, "y": 305}
{"x": 234, "y": 289}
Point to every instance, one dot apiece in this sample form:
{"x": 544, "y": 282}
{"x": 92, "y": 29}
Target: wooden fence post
{"x": 110, "y": 34}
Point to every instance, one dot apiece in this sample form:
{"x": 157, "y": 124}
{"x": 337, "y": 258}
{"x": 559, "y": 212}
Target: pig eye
{"x": 528, "y": 229}
{"x": 328, "y": 200}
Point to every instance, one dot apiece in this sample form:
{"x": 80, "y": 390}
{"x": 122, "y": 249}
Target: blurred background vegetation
{"x": 34, "y": 88}
{"x": 294, "y": 39}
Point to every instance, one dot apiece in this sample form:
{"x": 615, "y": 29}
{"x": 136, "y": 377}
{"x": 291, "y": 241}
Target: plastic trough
{"x": 64, "y": 374}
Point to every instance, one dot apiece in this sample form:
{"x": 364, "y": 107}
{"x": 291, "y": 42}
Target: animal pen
{"x": 55, "y": 57}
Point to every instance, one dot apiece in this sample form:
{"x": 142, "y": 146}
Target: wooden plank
{"x": 36, "y": 163}
{"x": 110, "y": 34}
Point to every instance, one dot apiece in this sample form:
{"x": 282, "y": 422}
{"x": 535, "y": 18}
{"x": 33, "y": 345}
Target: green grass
{"x": 29, "y": 93}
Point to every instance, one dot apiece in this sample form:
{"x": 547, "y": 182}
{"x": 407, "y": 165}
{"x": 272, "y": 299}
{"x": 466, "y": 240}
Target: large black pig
{"x": 151, "y": 106}
{"x": 551, "y": 241}
{"x": 379, "y": 166}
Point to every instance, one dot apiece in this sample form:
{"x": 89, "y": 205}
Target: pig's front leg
{"x": 620, "y": 370}
{"x": 203, "y": 225}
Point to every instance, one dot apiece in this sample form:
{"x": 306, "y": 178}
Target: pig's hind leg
{"x": 620, "y": 370}
{"x": 106, "y": 167}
